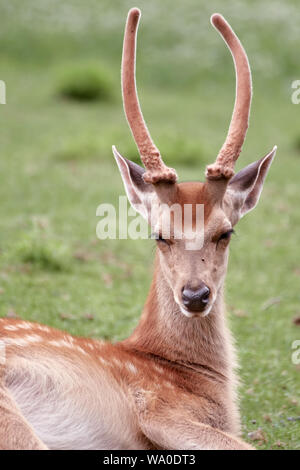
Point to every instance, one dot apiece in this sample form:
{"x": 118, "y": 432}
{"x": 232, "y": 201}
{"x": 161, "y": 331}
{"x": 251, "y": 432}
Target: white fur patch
{"x": 64, "y": 343}
{"x": 158, "y": 369}
{"x": 43, "y": 328}
{"x": 103, "y": 361}
{"x": 11, "y": 327}
{"x": 23, "y": 341}
{"x": 2, "y": 353}
{"x": 117, "y": 362}
{"x": 168, "y": 384}
{"x": 80, "y": 349}
{"x": 61, "y": 343}
{"x": 25, "y": 325}
{"x": 131, "y": 367}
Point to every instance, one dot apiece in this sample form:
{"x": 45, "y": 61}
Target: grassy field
{"x": 56, "y": 167}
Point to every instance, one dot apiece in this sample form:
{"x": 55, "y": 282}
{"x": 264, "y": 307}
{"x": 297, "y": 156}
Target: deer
{"x": 172, "y": 384}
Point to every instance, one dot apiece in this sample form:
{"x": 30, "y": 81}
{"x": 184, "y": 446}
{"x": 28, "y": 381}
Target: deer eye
{"x": 226, "y": 235}
{"x": 158, "y": 237}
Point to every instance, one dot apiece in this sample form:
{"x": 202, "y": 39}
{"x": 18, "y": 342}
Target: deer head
{"x": 195, "y": 276}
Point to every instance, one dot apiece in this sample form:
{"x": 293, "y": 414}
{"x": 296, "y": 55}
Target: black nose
{"x": 196, "y": 299}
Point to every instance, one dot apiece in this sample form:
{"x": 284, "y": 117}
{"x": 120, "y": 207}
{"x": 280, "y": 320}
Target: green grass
{"x": 87, "y": 82}
{"x": 56, "y": 167}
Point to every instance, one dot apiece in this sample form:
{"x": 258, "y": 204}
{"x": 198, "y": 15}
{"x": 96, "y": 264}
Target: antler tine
{"x": 229, "y": 153}
{"x": 157, "y": 171}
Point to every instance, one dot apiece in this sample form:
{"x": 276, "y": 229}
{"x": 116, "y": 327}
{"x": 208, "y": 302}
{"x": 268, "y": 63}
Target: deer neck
{"x": 165, "y": 332}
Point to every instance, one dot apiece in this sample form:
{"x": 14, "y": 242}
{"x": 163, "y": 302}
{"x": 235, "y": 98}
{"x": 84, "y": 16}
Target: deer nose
{"x": 196, "y": 299}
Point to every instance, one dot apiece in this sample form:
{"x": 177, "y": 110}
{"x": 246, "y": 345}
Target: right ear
{"x": 245, "y": 187}
{"x": 139, "y": 193}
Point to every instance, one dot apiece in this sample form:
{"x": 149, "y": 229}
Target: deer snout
{"x": 196, "y": 299}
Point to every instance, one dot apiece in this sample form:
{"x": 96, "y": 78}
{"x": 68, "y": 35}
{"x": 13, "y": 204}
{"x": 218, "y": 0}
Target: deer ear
{"x": 245, "y": 187}
{"x": 139, "y": 193}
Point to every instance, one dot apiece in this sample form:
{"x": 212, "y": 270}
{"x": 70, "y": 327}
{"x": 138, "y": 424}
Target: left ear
{"x": 139, "y": 193}
{"x": 245, "y": 188}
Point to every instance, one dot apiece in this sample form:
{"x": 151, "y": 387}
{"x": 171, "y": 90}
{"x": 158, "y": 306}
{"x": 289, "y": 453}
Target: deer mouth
{"x": 190, "y": 314}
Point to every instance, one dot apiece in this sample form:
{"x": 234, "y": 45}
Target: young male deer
{"x": 171, "y": 385}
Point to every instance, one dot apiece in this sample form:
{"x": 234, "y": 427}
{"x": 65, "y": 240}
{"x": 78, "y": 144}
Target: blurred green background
{"x": 61, "y": 65}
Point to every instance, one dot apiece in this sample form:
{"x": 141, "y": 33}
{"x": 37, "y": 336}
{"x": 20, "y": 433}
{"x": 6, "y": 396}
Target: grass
{"x": 87, "y": 82}
{"x": 56, "y": 167}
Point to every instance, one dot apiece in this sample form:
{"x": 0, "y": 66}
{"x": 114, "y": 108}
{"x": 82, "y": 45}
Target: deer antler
{"x": 229, "y": 153}
{"x": 157, "y": 171}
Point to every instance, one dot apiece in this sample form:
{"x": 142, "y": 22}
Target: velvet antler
{"x": 223, "y": 168}
{"x": 157, "y": 171}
